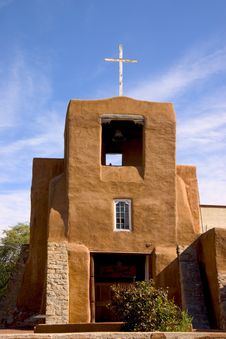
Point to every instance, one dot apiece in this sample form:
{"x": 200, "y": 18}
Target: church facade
{"x": 118, "y": 209}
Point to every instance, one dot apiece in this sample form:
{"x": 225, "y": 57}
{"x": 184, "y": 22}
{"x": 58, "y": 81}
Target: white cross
{"x": 120, "y": 60}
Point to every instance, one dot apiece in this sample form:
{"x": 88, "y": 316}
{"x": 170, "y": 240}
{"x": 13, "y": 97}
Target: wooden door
{"x": 103, "y": 299}
{"x": 113, "y": 269}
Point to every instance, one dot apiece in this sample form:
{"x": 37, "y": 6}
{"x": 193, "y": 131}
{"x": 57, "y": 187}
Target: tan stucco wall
{"x": 212, "y": 257}
{"x": 33, "y": 287}
{"x": 79, "y": 283}
{"x": 74, "y": 204}
{"x": 188, "y": 213}
{"x": 151, "y": 189}
{"x": 213, "y": 216}
{"x": 167, "y": 274}
{"x": 91, "y": 195}
{"x": 58, "y": 210}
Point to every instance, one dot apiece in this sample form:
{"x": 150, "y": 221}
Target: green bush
{"x": 145, "y": 308}
{"x": 10, "y": 247}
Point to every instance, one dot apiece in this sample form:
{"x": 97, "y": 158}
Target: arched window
{"x": 122, "y": 213}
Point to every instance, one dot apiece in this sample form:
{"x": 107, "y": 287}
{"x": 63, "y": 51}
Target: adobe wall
{"x": 152, "y": 190}
{"x": 213, "y": 216}
{"x": 79, "y": 283}
{"x": 197, "y": 279}
{"x": 212, "y": 258}
{"x": 88, "y": 190}
{"x": 165, "y": 263}
{"x": 207, "y": 262}
{"x": 167, "y": 274}
{"x": 33, "y": 286}
{"x": 58, "y": 210}
{"x": 188, "y": 211}
{"x": 75, "y": 206}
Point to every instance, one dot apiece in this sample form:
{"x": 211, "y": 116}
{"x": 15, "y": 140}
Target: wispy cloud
{"x": 207, "y": 132}
{"x": 201, "y": 122}
{"x": 212, "y": 183}
{"x": 180, "y": 77}
{"x": 31, "y": 125}
{"x": 14, "y": 208}
{"x": 23, "y": 88}
{"x": 201, "y": 140}
{"x": 40, "y": 142}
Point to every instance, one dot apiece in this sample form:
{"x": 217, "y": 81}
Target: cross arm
{"x": 120, "y": 60}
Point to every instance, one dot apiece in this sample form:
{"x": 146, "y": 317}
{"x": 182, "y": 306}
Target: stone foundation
{"x": 57, "y": 287}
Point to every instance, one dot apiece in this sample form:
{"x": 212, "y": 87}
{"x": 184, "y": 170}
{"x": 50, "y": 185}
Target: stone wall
{"x": 222, "y": 299}
{"x": 192, "y": 293}
{"x": 34, "y": 280}
{"x": 57, "y": 286}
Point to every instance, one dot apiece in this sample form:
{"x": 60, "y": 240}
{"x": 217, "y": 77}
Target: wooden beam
{"x": 92, "y": 288}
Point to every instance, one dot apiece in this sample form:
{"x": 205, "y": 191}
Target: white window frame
{"x": 128, "y": 202}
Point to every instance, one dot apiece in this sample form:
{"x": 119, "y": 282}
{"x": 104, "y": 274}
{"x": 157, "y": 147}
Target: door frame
{"x": 92, "y": 278}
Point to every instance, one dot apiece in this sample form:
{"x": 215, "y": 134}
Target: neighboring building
{"x": 117, "y": 209}
{"x": 213, "y": 216}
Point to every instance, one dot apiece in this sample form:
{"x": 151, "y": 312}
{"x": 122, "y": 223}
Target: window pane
{"x": 122, "y": 211}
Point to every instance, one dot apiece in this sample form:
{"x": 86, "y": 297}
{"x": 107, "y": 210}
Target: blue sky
{"x": 53, "y": 51}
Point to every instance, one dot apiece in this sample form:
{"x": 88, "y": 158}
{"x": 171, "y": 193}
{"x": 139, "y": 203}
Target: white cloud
{"x": 14, "y": 208}
{"x": 37, "y": 122}
{"x": 31, "y": 126}
{"x": 180, "y": 77}
{"x": 24, "y": 90}
{"x": 50, "y": 142}
{"x": 201, "y": 140}
{"x": 201, "y": 122}
{"x": 206, "y": 133}
{"x": 204, "y": 129}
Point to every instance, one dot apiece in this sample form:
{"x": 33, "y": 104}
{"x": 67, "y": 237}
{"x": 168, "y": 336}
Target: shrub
{"x": 10, "y": 247}
{"x": 145, "y": 308}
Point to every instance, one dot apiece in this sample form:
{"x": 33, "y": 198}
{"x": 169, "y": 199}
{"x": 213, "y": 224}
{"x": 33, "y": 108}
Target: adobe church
{"x": 117, "y": 209}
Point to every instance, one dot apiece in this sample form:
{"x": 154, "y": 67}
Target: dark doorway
{"x": 112, "y": 269}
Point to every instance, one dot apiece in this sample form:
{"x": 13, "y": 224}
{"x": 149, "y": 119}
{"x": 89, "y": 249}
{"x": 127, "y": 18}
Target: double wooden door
{"x": 110, "y": 269}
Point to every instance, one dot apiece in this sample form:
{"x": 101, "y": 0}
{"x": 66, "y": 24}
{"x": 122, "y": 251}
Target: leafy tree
{"x": 10, "y": 247}
{"x": 145, "y": 308}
